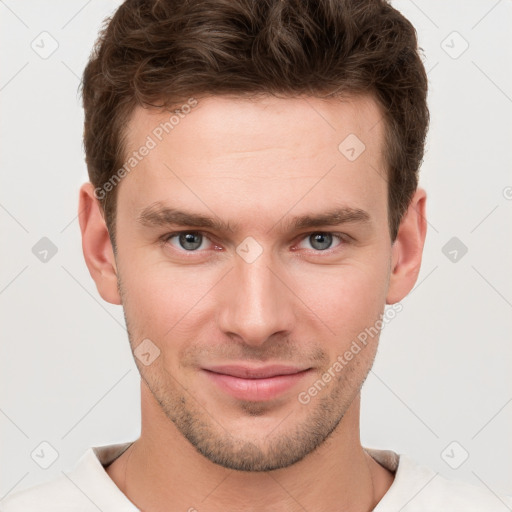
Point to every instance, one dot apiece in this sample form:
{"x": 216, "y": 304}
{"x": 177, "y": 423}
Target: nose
{"x": 256, "y": 302}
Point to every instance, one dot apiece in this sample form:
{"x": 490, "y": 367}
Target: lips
{"x": 246, "y": 372}
{"x": 253, "y": 383}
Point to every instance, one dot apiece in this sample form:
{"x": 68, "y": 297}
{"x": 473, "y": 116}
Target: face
{"x": 249, "y": 238}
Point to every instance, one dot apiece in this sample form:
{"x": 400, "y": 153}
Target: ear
{"x": 96, "y": 245}
{"x": 407, "y": 249}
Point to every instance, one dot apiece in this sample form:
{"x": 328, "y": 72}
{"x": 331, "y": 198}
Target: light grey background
{"x": 443, "y": 369}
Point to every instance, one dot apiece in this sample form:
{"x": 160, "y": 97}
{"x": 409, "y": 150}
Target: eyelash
{"x": 342, "y": 237}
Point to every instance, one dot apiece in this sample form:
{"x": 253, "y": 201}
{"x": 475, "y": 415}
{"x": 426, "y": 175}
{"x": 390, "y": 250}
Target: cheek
{"x": 160, "y": 300}
{"x": 165, "y": 302}
{"x": 347, "y": 298}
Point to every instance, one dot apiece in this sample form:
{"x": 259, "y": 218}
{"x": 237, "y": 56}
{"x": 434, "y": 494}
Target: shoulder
{"x": 417, "y": 488}
{"x": 42, "y": 497}
{"x": 85, "y": 488}
{"x": 454, "y": 494}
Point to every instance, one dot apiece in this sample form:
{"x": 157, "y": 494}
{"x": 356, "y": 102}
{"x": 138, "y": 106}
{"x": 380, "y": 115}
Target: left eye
{"x": 321, "y": 241}
{"x": 188, "y": 240}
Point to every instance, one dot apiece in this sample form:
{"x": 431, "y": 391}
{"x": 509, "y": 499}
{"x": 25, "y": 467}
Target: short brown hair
{"x": 158, "y": 53}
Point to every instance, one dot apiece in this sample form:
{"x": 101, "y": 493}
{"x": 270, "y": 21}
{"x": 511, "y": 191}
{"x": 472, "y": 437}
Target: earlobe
{"x": 96, "y": 245}
{"x": 407, "y": 249}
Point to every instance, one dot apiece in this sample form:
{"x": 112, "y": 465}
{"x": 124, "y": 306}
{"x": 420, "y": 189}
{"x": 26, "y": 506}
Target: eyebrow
{"x": 157, "y": 215}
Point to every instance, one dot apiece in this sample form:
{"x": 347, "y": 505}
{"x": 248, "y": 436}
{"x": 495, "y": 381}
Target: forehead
{"x": 246, "y": 154}
{"x": 221, "y": 123}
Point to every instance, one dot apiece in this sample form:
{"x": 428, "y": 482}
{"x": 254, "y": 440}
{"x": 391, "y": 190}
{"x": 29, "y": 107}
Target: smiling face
{"x": 248, "y": 236}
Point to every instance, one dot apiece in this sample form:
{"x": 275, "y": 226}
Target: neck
{"x": 163, "y": 471}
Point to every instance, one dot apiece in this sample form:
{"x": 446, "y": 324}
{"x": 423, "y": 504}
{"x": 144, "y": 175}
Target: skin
{"x": 255, "y": 165}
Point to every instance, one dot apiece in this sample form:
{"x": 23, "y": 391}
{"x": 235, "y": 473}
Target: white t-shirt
{"x": 88, "y": 488}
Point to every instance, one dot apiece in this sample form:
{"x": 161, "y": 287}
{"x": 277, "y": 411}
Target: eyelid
{"x": 165, "y": 238}
{"x": 343, "y": 238}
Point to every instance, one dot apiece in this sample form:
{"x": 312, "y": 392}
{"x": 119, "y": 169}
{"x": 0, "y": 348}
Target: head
{"x": 283, "y": 141}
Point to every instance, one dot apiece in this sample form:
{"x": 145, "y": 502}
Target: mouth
{"x": 255, "y": 383}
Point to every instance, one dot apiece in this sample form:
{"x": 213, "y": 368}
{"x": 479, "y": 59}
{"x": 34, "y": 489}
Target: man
{"x": 253, "y": 206}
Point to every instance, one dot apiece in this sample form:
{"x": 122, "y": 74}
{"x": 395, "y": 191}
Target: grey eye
{"x": 190, "y": 241}
{"x": 320, "y": 241}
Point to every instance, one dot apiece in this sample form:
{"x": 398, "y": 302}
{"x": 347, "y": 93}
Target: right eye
{"x": 189, "y": 241}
